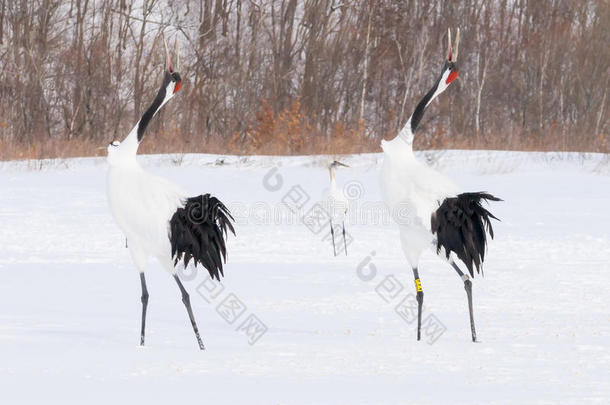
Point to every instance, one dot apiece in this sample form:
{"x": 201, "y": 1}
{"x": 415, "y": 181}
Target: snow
{"x": 70, "y": 296}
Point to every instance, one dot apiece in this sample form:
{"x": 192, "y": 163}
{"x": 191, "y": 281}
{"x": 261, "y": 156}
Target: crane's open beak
{"x": 451, "y": 57}
{"x": 341, "y": 164}
{"x": 170, "y": 67}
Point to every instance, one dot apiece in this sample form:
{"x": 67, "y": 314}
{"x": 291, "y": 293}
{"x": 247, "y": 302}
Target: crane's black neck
{"x": 154, "y": 107}
{"x": 421, "y": 107}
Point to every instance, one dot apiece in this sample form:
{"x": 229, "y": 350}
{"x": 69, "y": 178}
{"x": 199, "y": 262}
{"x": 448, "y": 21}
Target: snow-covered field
{"x": 328, "y": 330}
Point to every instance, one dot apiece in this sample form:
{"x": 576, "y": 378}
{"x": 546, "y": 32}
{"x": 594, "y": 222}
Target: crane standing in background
{"x": 337, "y": 205}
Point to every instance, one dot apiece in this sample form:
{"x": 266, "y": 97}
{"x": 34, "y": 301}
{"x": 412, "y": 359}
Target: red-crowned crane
{"x": 437, "y": 214}
{"x": 337, "y": 205}
{"x": 158, "y": 218}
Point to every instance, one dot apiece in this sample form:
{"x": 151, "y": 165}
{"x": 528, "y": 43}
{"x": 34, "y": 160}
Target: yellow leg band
{"x": 418, "y": 285}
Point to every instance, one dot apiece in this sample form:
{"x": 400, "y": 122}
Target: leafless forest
{"x": 300, "y": 77}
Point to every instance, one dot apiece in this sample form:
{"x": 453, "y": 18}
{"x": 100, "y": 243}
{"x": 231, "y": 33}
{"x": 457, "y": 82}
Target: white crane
{"x": 158, "y": 218}
{"x": 337, "y": 204}
{"x": 437, "y": 215}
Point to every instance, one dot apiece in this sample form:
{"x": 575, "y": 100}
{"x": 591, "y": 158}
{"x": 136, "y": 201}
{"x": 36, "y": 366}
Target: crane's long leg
{"x": 468, "y": 288}
{"x": 344, "y": 241}
{"x": 332, "y": 234}
{"x": 187, "y": 303}
{"x": 144, "y": 300}
{"x": 420, "y": 300}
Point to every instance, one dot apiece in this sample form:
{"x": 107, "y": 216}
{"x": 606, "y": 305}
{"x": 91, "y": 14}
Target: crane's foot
{"x": 144, "y": 300}
{"x": 344, "y": 241}
{"x": 186, "y": 300}
{"x": 420, "y": 301}
{"x": 468, "y": 288}
{"x": 332, "y": 233}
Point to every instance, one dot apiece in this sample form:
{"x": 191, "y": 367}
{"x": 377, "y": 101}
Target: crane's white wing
{"x": 413, "y": 190}
{"x": 142, "y": 204}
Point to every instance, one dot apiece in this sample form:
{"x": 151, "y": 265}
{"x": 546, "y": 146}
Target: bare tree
{"x": 302, "y": 76}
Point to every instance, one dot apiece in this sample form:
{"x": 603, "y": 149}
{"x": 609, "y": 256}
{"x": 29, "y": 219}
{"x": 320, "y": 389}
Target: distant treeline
{"x": 310, "y": 76}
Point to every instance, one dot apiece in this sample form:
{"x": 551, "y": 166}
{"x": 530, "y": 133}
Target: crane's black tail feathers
{"x": 460, "y": 225}
{"x": 198, "y": 231}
